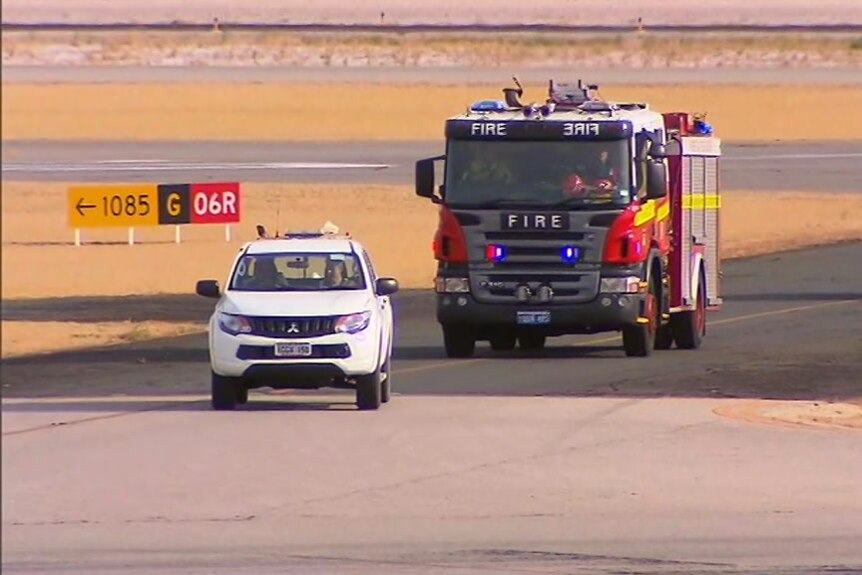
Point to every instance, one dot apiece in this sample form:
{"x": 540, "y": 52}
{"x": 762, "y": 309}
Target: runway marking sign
{"x": 113, "y": 206}
{"x": 139, "y": 205}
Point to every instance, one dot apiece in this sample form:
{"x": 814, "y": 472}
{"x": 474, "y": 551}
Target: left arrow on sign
{"x": 81, "y": 206}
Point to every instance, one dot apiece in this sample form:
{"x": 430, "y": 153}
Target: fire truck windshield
{"x": 482, "y": 173}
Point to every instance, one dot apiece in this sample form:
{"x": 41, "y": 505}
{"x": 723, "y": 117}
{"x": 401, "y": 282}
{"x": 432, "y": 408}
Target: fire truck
{"x": 574, "y": 215}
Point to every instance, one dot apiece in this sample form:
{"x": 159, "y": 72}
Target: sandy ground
{"x": 32, "y": 337}
{"x": 377, "y": 112}
{"x": 595, "y": 12}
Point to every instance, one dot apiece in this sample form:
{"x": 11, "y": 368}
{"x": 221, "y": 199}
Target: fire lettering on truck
{"x": 580, "y": 129}
{"x": 488, "y": 129}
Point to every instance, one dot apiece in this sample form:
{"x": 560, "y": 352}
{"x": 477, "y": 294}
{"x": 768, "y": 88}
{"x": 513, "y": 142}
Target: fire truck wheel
{"x": 689, "y": 327}
{"x": 503, "y": 341}
{"x": 531, "y": 341}
{"x": 664, "y": 337}
{"x": 458, "y": 341}
{"x": 639, "y": 339}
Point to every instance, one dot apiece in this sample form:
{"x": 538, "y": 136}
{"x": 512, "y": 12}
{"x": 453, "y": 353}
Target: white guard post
{"x": 227, "y": 232}
{"x": 131, "y": 236}
{"x": 177, "y": 234}
{"x": 77, "y": 236}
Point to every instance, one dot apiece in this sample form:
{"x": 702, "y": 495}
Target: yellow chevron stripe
{"x": 663, "y": 210}
{"x": 702, "y": 202}
{"x": 646, "y": 213}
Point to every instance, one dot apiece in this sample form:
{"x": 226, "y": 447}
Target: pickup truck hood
{"x": 296, "y": 304}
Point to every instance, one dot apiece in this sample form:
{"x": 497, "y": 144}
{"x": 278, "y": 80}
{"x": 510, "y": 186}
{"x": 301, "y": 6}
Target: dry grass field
{"x": 396, "y": 226}
{"x": 380, "y": 112}
{"x": 370, "y": 49}
{"x": 40, "y": 260}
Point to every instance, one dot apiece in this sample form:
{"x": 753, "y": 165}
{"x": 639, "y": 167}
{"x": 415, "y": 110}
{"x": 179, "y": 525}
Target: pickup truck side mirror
{"x": 425, "y": 185}
{"x": 386, "y": 286}
{"x": 656, "y": 180}
{"x": 208, "y": 288}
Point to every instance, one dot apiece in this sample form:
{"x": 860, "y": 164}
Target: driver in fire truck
{"x": 596, "y": 179}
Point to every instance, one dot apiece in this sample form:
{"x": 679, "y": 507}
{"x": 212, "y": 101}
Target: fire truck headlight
{"x": 620, "y": 285}
{"x": 452, "y": 285}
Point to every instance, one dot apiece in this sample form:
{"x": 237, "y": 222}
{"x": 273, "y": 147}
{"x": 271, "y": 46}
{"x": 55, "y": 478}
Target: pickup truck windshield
{"x": 298, "y": 272}
{"x": 544, "y": 173}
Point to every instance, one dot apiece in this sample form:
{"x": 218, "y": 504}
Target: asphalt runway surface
{"x": 818, "y": 166}
{"x": 574, "y": 459}
{"x": 496, "y": 76}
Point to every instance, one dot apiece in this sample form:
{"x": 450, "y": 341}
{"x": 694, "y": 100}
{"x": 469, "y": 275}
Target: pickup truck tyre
{"x": 386, "y": 382}
{"x": 369, "y": 389}
{"x": 458, "y": 341}
{"x": 241, "y": 393}
{"x": 504, "y": 341}
{"x": 225, "y": 392}
{"x": 689, "y": 327}
{"x": 531, "y": 341}
{"x": 639, "y": 339}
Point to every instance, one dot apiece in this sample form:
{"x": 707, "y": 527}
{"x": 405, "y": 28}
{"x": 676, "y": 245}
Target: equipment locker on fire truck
{"x": 576, "y": 215}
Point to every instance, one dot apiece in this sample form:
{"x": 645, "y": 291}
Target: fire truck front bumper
{"x": 607, "y": 312}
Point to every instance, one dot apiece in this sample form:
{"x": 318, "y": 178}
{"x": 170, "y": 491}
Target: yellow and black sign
{"x": 131, "y": 206}
{"x": 113, "y": 206}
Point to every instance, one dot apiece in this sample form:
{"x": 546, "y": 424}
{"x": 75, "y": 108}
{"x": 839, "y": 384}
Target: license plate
{"x": 292, "y": 349}
{"x": 533, "y": 317}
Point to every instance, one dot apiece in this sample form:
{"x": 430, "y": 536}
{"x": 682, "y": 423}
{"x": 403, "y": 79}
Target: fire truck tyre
{"x": 689, "y": 327}
{"x": 369, "y": 390}
{"x": 504, "y": 341}
{"x": 531, "y": 341}
{"x": 639, "y": 339}
{"x": 226, "y": 392}
{"x": 458, "y": 341}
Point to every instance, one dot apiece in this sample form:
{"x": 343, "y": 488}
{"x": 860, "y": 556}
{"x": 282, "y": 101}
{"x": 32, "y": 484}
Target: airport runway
{"x": 495, "y": 76}
{"x": 571, "y": 460}
{"x": 745, "y": 166}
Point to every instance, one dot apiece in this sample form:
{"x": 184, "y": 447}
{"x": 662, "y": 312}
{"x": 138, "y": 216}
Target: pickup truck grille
{"x": 289, "y": 327}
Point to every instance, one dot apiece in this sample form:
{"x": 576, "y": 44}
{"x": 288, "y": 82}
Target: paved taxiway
{"x": 758, "y": 166}
{"x": 575, "y": 459}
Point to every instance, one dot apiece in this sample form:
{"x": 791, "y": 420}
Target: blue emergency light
{"x": 570, "y": 254}
{"x": 495, "y": 253}
{"x": 488, "y": 106}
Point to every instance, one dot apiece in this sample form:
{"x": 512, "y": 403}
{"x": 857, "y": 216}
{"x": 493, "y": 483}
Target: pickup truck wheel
{"x": 458, "y": 341}
{"x": 689, "y": 327}
{"x": 369, "y": 390}
{"x": 225, "y": 392}
{"x": 241, "y": 393}
{"x": 531, "y": 341}
{"x": 386, "y": 382}
{"x": 639, "y": 339}
{"x": 504, "y": 341}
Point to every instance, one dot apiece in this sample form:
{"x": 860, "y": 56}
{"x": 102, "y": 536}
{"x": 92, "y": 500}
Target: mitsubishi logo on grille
{"x": 294, "y": 327}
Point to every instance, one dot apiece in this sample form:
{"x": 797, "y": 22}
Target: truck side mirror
{"x": 425, "y": 178}
{"x": 657, "y": 151}
{"x": 656, "y": 180}
{"x": 208, "y": 288}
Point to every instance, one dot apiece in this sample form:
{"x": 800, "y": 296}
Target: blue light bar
{"x": 570, "y": 254}
{"x": 488, "y": 106}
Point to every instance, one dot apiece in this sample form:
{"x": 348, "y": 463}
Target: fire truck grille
{"x": 286, "y": 327}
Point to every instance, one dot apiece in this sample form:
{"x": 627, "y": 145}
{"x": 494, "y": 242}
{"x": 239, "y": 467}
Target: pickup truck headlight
{"x": 452, "y": 285}
{"x": 630, "y": 284}
{"x": 233, "y": 324}
{"x": 353, "y": 323}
